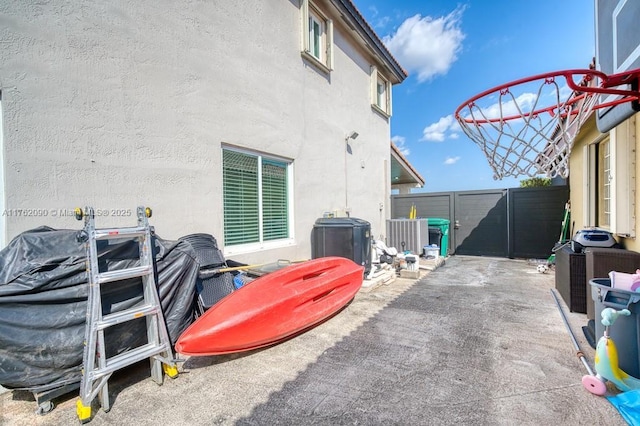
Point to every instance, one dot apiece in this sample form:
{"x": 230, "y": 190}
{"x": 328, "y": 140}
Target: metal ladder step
{"x": 126, "y": 315}
{"x": 113, "y": 233}
{"x": 127, "y": 358}
{"x": 123, "y": 274}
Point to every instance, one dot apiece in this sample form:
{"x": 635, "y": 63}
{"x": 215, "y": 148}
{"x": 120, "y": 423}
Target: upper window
{"x": 257, "y": 200}
{"x": 380, "y": 92}
{"x": 317, "y": 36}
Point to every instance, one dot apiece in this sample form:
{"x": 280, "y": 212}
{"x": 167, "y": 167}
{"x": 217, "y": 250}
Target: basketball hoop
{"x": 528, "y": 126}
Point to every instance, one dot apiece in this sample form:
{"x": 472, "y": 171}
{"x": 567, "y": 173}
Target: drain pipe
{"x": 579, "y": 353}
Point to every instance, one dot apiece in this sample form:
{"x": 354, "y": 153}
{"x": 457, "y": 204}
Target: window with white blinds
{"x": 256, "y": 198}
{"x": 275, "y": 206}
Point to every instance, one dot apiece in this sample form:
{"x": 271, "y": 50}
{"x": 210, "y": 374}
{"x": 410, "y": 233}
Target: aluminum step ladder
{"x": 97, "y": 368}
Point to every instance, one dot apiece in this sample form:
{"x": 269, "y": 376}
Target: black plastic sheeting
{"x": 43, "y": 303}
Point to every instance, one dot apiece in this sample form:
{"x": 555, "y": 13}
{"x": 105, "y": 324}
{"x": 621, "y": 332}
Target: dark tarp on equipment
{"x": 43, "y": 302}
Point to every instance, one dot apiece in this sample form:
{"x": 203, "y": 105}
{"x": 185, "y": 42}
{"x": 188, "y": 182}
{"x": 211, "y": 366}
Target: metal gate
{"x": 481, "y": 224}
{"x": 515, "y": 222}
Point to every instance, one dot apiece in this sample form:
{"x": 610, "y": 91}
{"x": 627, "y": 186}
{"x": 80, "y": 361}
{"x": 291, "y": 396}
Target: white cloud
{"x": 451, "y": 160}
{"x": 445, "y": 127}
{"x": 522, "y": 103}
{"x": 382, "y": 22}
{"x": 518, "y": 110}
{"x": 512, "y": 104}
{"x": 378, "y": 22}
{"x": 427, "y": 45}
{"x": 399, "y": 142}
{"x": 565, "y": 91}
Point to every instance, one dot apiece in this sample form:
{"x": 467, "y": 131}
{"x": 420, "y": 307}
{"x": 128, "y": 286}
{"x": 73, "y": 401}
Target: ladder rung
{"x": 127, "y": 358}
{"x": 123, "y": 274}
{"x": 97, "y": 368}
{"x": 112, "y": 233}
{"x": 126, "y": 315}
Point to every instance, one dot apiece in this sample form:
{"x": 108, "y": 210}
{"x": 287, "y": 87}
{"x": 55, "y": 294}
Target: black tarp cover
{"x": 43, "y": 302}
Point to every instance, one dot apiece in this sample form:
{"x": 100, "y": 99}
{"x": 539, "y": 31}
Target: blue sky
{"x": 454, "y": 50}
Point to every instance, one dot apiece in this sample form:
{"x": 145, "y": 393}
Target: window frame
{"x": 604, "y": 179}
{"x": 324, "y": 58}
{"x": 621, "y": 181}
{"x": 3, "y": 218}
{"x": 262, "y": 244}
{"x": 317, "y": 30}
{"x": 383, "y": 106}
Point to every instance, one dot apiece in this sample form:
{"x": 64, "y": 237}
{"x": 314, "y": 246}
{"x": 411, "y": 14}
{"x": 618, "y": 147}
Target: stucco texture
{"x": 118, "y": 104}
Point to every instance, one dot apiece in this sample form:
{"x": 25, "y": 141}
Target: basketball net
{"x": 527, "y": 127}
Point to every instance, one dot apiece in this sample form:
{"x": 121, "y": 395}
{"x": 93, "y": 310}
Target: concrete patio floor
{"x": 476, "y": 341}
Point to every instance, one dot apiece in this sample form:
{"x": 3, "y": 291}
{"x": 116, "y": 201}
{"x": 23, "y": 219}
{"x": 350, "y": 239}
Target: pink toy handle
{"x": 636, "y": 281}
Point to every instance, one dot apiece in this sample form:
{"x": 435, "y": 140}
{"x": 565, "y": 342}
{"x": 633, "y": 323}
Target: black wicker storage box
{"x": 571, "y": 279}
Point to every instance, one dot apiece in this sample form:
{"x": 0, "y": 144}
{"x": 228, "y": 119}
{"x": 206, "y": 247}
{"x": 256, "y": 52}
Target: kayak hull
{"x": 274, "y": 307}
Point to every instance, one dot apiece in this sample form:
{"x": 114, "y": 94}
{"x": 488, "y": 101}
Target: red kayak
{"x": 274, "y": 307}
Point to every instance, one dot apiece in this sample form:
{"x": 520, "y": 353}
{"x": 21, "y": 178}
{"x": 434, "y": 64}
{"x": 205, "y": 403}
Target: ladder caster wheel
{"x": 148, "y": 212}
{"x": 170, "y": 370}
{"x": 44, "y": 408}
{"x": 78, "y": 213}
{"x": 84, "y": 412}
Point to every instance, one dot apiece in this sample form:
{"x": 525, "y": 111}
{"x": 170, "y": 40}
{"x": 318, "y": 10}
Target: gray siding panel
{"x": 536, "y": 220}
{"x": 482, "y": 221}
{"x": 516, "y": 222}
{"x": 427, "y": 204}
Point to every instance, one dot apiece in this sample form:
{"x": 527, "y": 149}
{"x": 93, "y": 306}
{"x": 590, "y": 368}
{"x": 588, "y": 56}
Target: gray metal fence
{"x": 514, "y": 222}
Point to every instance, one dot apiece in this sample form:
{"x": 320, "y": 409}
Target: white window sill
{"x": 316, "y": 62}
{"x": 380, "y": 110}
{"x": 255, "y": 247}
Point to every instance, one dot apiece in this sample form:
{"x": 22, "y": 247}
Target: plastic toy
{"x": 626, "y": 282}
{"x": 542, "y": 268}
{"x": 606, "y": 361}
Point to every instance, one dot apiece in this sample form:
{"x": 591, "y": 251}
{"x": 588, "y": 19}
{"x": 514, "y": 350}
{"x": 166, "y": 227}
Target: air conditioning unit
{"x": 348, "y": 237}
{"x": 408, "y": 234}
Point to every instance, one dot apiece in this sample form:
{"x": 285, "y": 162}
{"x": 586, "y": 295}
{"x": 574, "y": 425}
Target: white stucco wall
{"x": 124, "y": 103}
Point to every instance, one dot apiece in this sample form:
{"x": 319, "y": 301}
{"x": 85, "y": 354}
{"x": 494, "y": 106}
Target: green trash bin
{"x": 443, "y": 225}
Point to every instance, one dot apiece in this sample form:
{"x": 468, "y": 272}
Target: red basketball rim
{"x": 607, "y": 85}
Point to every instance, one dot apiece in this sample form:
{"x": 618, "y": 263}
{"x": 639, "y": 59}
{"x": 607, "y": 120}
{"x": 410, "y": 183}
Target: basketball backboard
{"x": 617, "y": 25}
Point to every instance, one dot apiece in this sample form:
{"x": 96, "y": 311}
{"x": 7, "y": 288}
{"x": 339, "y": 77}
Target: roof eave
{"x": 369, "y": 36}
{"x": 395, "y": 152}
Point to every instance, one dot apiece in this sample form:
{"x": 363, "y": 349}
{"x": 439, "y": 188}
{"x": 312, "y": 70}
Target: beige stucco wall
{"x": 589, "y": 134}
{"x": 633, "y": 243}
{"x": 115, "y": 104}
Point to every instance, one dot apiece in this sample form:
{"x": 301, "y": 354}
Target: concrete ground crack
{"x": 498, "y": 398}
